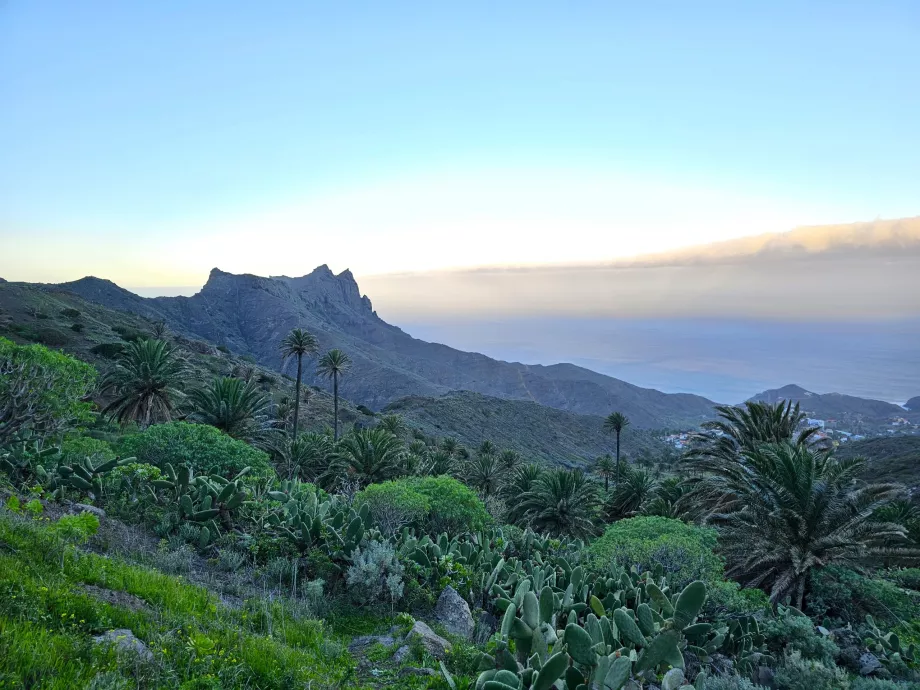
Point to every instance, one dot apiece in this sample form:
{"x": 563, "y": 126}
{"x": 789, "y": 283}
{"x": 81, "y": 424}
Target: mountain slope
{"x": 250, "y": 314}
{"x": 834, "y": 405}
{"x": 895, "y": 459}
{"x": 541, "y": 434}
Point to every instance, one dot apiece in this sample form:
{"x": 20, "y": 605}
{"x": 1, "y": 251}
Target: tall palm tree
{"x": 145, "y": 382}
{"x": 333, "y": 365}
{"x": 486, "y": 448}
{"x": 234, "y": 406}
{"x": 562, "y": 502}
{"x": 298, "y": 343}
{"x": 636, "y": 486}
{"x": 785, "y": 509}
{"x": 371, "y": 455}
{"x": 615, "y": 423}
{"x": 485, "y": 474}
{"x": 604, "y": 467}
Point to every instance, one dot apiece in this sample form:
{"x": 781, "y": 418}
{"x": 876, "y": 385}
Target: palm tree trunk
{"x": 335, "y": 405}
{"x": 606, "y": 483}
{"x": 297, "y": 395}
{"x": 617, "y": 482}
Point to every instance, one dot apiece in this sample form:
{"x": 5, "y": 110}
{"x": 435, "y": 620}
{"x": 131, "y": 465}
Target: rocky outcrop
{"x": 125, "y": 642}
{"x": 433, "y": 643}
{"x": 453, "y": 613}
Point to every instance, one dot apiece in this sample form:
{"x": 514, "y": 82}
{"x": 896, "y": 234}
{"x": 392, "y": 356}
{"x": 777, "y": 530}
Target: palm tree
{"x": 509, "y": 459}
{"x": 145, "y": 381}
{"x": 371, "y": 455}
{"x": 604, "y": 467}
{"x": 159, "y": 330}
{"x": 615, "y": 423}
{"x": 332, "y": 365}
{"x": 298, "y": 343}
{"x": 785, "y": 509}
{"x": 393, "y": 423}
{"x": 234, "y": 406}
{"x": 634, "y": 489}
{"x": 486, "y": 448}
{"x": 667, "y": 500}
{"x": 439, "y": 462}
{"x": 450, "y": 445}
{"x": 485, "y": 474}
{"x": 521, "y": 483}
{"x": 562, "y": 502}
{"x": 305, "y": 457}
{"x": 745, "y": 428}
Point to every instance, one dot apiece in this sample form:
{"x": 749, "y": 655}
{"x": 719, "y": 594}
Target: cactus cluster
{"x": 568, "y": 633}
{"x": 208, "y": 501}
{"x": 85, "y": 476}
{"x": 887, "y": 646}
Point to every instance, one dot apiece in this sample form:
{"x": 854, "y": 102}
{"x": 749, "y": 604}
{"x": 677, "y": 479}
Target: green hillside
{"x": 894, "y": 459}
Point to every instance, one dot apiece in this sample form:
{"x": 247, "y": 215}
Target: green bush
{"x": 848, "y": 596}
{"x": 81, "y": 447}
{"x": 797, "y": 673}
{"x": 789, "y": 632}
{"x": 128, "y": 334}
{"x": 77, "y": 327}
{"x": 394, "y": 504}
{"x": 731, "y": 683}
{"x": 107, "y": 350}
{"x": 452, "y": 506}
{"x": 70, "y": 313}
{"x": 206, "y": 449}
{"x": 909, "y": 578}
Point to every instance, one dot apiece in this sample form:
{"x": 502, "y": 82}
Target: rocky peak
{"x": 323, "y": 287}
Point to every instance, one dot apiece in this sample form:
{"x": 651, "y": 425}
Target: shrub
{"x": 41, "y": 391}
{"x": 858, "y": 683}
{"x": 452, "y": 506}
{"x": 77, "y": 327}
{"x": 849, "y": 596}
{"x": 731, "y": 683}
{"x": 128, "y": 334}
{"x": 363, "y": 409}
{"x": 70, "y": 313}
{"x": 375, "y": 574}
{"x": 394, "y": 504}
{"x": 81, "y": 447}
{"x": 789, "y": 632}
{"x": 797, "y": 673}
{"x": 107, "y": 350}
{"x": 204, "y": 448}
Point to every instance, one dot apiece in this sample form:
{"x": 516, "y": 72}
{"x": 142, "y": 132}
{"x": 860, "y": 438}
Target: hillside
{"x": 894, "y": 459}
{"x": 843, "y": 408}
{"x": 94, "y": 334}
{"x": 913, "y": 404}
{"x": 250, "y": 314}
{"x": 541, "y": 434}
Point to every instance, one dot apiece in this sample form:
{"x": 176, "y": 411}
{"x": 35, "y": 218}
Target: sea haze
{"x": 727, "y": 360}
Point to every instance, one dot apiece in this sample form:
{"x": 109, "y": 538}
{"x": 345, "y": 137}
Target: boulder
{"x": 453, "y": 613}
{"x": 869, "y": 664}
{"x": 125, "y": 641}
{"x": 402, "y": 654}
{"x": 413, "y": 671}
{"x": 486, "y": 625}
{"x": 84, "y": 508}
{"x": 433, "y": 643}
{"x": 360, "y": 644}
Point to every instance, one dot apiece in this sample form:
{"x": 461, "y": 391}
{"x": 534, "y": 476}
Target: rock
{"x": 673, "y": 679}
{"x": 125, "y": 641}
{"x": 765, "y": 676}
{"x": 412, "y": 671}
{"x": 433, "y": 643}
{"x": 453, "y": 613}
{"x": 83, "y": 508}
{"x": 115, "y": 597}
{"x": 868, "y": 664}
{"x": 721, "y": 664}
{"x": 486, "y": 625}
{"x": 361, "y": 643}
{"x": 402, "y": 654}
{"x": 850, "y": 647}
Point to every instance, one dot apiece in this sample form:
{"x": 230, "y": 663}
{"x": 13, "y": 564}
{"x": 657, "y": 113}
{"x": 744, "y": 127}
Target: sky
{"x": 150, "y": 142}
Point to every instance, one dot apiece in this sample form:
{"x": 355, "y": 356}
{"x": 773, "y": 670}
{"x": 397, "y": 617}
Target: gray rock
{"x": 453, "y": 613}
{"x": 412, "y": 671}
{"x": 402, "y": 654}
{"x": 83, "y": 508}
{"x": 361, "y": 643}
{"x": 868, "y": 664}
{"x": 125, "y": 641}
{"x": 486, "y": 625}
{"x": 765, "y": 676}
{"x": 433, "y": 643}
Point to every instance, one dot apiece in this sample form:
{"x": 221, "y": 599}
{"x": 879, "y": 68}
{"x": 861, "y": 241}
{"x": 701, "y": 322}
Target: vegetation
{"x": 298, "y": 343}
{"x": 760, "y": 549}
{"x": 615, "y": 423}
{"x": 333, "y": 365}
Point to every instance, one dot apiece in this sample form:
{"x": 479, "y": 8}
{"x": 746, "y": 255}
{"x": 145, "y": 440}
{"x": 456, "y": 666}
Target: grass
{"x": 47, "y": 622}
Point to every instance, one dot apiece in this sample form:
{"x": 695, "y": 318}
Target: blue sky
{"x": 148, "y": 142}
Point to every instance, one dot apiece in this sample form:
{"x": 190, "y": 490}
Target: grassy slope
{"x": 18, "y": 321}
{"x": 48, "y": 617}
{"x": 890, "y": 459}
{"x": 542, "y": 434}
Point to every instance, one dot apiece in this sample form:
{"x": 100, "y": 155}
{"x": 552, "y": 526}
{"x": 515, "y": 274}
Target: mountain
{"x": 541, "y": 434}
{"x": 894, "y": 459}
{"x": 913, "y": 404}
{"x": 834, "y": 405}
{"x": 250, "y": 314}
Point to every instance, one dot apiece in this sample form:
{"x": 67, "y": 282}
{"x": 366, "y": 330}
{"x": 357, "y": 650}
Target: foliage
{"x": 635, "y": 487}
{"x": 485, "y": 473}
{"x": 146, "y": 382}
{"x": 81, "y": 447}
{"x": 452, "y": 507}
{"x": 562, "y": 502}
{"x": 370, "y": 455}
{"x": 305, "y": 457}
{"x": 202, "y": 447}
{"x": 236, "y": 407}
{"x": 333, "y": 365}
{"x": 789, "y": 632}
{"x": 785, "y": 508}
{"x": 298, "y": 343}
{"x": 849, "y": 596}
{"x": 41, "y": 391}
{"x": 394, "y": 504}
{"x": 798, "y": 673}
{"x": 375, "y": 574}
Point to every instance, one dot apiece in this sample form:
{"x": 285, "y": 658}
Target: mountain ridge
{"x": 250, "y": 314}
